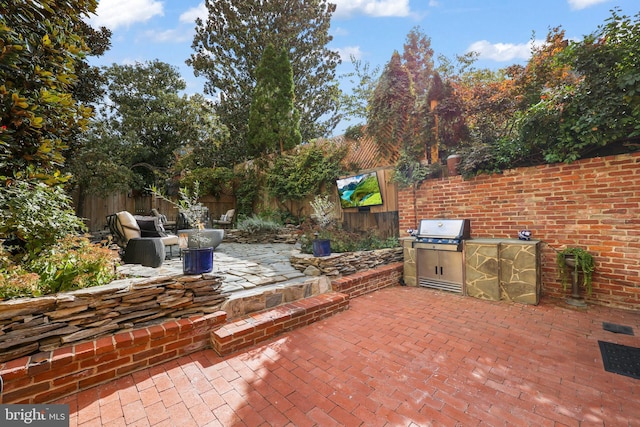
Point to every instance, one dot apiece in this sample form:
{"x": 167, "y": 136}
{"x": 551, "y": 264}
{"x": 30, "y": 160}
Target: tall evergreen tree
{"x": 274, "y": 122}
{"x": 229, "y": 45}
{"x": 418, "y": 60}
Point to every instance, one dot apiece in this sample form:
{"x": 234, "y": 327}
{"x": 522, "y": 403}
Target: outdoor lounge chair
{"x": 225, "y": 220}
{"x": 142, "y": 239}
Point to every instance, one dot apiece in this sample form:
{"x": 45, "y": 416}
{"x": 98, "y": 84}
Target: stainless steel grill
{"x": 438, "y": 247}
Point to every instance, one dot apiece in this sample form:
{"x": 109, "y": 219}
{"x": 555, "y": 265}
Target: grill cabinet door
{"x": 440, "y": 269}
{"x": 451, "y": 264}
{"x": 428, "y": 264}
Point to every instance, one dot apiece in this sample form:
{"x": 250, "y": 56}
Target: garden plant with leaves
{"x": 299, "y": 175}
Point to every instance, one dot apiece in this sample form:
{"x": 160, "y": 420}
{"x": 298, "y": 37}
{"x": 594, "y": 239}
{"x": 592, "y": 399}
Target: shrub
{"x": 257, "y": 224}
{"x": 324, "y": 212}
{"x": 35, "y": 216}
{"x": 72, "y": 263}
{"x": 15, "y": 281}
{"x": 344, "y": 241}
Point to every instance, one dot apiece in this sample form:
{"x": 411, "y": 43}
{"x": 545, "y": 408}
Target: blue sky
{"x": 370, "y": 30}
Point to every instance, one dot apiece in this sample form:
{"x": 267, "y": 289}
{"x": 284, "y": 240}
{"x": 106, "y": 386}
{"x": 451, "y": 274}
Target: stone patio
{"x": 242, "y": 267}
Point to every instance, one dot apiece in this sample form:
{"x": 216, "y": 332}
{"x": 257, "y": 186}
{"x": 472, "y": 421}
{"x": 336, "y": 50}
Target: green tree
{"x": 148, "y": 118}
{"x": 229, "y": 45}
{"x": 209, "y": 148}
{"x": 364, "y": 81}
{"x": 41, "y": 48}
{"x": 100, "y": 164}
{"x": 89, "y": 87}
{"x": 601, "y": 111}
{"x": 274, "y": 122}
{"x": 390, "y": 119}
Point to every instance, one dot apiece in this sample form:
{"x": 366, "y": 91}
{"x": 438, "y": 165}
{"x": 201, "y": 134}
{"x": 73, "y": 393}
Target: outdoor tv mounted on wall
{"x": 359, "y": 190}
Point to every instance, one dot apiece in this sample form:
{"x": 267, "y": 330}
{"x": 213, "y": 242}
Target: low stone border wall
{"x": 264, "y": 325}
{"x": 369, "y": 281}
{"x": 267, "y": 297}
{"x": 288, "y": 235}
{"x": 32, "y": 325}
{"x": 343, "y": 264}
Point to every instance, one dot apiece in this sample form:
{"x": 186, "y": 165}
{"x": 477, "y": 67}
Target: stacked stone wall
{"x": 346, "y": 263}
{"x": 32, "y": 325}
{"x": 288, "y": 235}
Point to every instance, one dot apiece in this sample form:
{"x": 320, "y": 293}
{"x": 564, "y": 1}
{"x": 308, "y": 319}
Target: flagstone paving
{"x": 400, "y": 356}
{"x": 241, "y": 266}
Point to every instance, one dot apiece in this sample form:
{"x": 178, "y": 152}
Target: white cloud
{"x": 340, "y": 31}
{"x": 168, "y": 36}
{"x": 503, "y": 51}
{"x": 348, "y": 51}
{"x": 376, "y": 8}
{"x": 583, "y": 4}
{"x": 200, "y": 11}
{"x": 116, "y": 13}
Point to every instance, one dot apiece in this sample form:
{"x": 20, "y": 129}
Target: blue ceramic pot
{"x": 197, "y": 260}
{"x": 321, "y": 247}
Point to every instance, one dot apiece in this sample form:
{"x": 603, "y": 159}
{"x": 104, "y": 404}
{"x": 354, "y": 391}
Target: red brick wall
{"x": 367, "y": 281}
{"x": 591, "y": 203}
{"x": 47, "y": 376}
{"x": 261, "y": 326}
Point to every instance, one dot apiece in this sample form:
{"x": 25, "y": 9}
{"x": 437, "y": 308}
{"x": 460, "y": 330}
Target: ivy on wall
{"x": 302, "y": 174}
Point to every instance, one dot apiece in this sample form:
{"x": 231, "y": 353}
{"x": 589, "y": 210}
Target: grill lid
{"x": 444, "y": 228}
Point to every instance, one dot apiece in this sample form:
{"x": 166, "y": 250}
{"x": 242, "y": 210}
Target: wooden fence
{"x": 95, "y": 208}
{"x": 381, "y": 219}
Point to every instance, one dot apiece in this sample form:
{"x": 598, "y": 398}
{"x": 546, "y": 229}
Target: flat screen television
{"x": 359, "y": 190}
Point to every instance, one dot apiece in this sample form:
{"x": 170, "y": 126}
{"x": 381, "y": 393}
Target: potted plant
{"x": 196, "y": 248}
{"x": 572, "y": 263}
{"x": 324, "y": 213}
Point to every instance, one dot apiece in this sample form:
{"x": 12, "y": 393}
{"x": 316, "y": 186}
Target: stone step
{"x": 263, "y": 325}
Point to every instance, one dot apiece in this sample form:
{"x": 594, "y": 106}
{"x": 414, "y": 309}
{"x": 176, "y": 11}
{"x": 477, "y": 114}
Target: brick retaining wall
{"x": 47, "y": 376}
{"x": 364, "y": 282}
{"x": 258, "y": 327}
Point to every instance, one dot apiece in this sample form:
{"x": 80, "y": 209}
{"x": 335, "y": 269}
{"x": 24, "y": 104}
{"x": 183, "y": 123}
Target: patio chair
{"x": 168, "y": 225}
{"x": 225, "y": 220}
{"x": 141, "y": 238}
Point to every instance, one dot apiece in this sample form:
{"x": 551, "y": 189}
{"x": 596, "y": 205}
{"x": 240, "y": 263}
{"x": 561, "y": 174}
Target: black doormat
{"x": 620, "y": 359}
{"x": 618, "y": 329}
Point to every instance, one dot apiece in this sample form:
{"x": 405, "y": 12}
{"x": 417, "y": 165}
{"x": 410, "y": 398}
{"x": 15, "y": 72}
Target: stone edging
{"x": 289, "y": 235}
{"x": 343, "y": 264}
{"x": 31, "y": 325}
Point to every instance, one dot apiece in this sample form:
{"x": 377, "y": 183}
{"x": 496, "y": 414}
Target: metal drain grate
{"x": 617, "y": 329}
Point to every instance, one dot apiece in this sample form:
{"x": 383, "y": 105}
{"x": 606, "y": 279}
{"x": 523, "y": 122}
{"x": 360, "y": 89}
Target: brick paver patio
{"x": 398, "y": 357}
